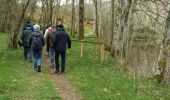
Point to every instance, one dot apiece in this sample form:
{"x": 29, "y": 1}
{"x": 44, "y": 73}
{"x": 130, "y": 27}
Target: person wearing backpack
{"x": 25, "y": 43}
{"x": 61, "y": 39}
{"x": 37, "y": 42}
{"x": 28, "y": 24}
{"x": 49, "y": 41}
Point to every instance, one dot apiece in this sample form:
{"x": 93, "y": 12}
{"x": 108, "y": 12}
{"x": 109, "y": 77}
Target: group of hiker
{"x": 56, "y": 39}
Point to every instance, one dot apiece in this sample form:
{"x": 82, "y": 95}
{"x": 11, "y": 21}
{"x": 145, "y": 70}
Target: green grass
{"x": 18, "y": 81}
{"x": 107, "y": 81}
{"x": 88, "y": 30}
{"x": 93, "y": 80}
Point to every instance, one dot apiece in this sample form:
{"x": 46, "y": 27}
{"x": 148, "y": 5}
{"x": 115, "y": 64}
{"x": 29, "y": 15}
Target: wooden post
{"x": 81, "y": 49}
{"x": 101, "y": 51}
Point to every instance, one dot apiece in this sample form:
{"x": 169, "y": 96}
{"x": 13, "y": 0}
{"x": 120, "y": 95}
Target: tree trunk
{"x": 76, "y": 17}
{"x": 51, "y": 11}
{"x": 163, "y": 67}
{"x": 14, "y": 24}
{"x": 73, "y": 19}
{"x": 64, "y": 10}
{"x": 41, "y": 16}
{"x": 126, "y": 26}
{"x": 81, "y": 19}
{"x": 111, "y": 45}
{"x": 112, "y": 24}
{"x": 96, "y": 18}
{"x": 57, "y": 9}
{"x": 33, "y": 10}
{"x": 22, "y": 16}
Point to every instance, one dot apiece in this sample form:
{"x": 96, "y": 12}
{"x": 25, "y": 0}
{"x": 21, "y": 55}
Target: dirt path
{"x": 66, "y": 91}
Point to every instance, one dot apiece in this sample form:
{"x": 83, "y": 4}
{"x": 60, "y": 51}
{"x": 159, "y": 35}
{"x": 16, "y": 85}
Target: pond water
{"x": 143, "y": 58}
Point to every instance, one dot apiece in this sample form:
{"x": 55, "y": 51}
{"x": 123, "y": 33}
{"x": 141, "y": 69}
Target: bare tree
{"x": 14, "y": 21}
{"x": 112, "y": 23}
{"x": 33, "y": 7}
{"x": 73, "y": 19}
{"x": 163, "y": 70}
{"x": 96, "y": 17}
{"x": 56, "y": 10}
{"x": 81, "y": 19}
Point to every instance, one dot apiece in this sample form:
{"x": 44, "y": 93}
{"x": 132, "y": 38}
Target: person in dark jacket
{"x": 25, "y": 43}
{"x": 37, "y": 41}
{"x": 61, "y": 39}
{"x": 28, "y": 24}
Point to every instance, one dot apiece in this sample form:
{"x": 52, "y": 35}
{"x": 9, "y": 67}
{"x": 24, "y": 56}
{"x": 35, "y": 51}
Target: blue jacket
{"x": 61, "y": 39}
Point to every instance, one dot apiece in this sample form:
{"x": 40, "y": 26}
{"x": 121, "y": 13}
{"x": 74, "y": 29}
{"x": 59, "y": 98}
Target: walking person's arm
{"x": 45, "y": 35}
{"x": 30, "y": 39}
{"x": 47, "y": 41}
{"x": 68, "y": 41}
{"x": 43, "y": 40}
{"x": 22, "y": 37}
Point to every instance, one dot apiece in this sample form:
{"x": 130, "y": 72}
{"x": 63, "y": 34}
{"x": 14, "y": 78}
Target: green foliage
{"x": 107, "y": 81}
{"x": 18, "y": 81}
{"x": 88, "y": 30}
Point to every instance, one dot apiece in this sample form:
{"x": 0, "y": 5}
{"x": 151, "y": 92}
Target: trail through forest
{"x": 66, "y": 90}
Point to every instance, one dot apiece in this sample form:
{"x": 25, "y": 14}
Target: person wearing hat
{"x": 37, "y": 41}
{"x": 61, "y": 39}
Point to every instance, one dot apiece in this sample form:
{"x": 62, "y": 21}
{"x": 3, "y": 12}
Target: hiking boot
{"x": 30, "y": 60}
{"x": 62, "y": 72}
{"x": 39, "y": 68}
{"x": 57, "y": 72}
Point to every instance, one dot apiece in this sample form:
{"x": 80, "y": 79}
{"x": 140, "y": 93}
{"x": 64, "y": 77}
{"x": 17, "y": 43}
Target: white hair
{"x": 36, "y": 27}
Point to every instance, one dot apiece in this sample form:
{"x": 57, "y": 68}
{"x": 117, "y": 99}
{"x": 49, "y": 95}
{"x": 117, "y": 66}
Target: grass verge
{"x": 107, "y": 81}
{"x": 18, "y": 81}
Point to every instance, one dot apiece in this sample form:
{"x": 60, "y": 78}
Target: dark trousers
{"x": 26, "y": 49}
{"x": 27, "y": 53}
{"x": 63, "y": 61}
{"x": 48, "y": 46}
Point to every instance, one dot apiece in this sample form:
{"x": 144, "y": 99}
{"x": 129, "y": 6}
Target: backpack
{"x": 26, "y": 35}
{"x": 50, "y": 38}
{"x": 36, "y": 43}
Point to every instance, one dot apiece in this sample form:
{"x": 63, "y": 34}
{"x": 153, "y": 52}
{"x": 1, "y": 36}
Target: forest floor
{"x": 85, "y": 78}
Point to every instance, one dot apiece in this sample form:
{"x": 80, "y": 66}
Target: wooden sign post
{"x": 81, "y": 49}
{"x": 101, "y": 51}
